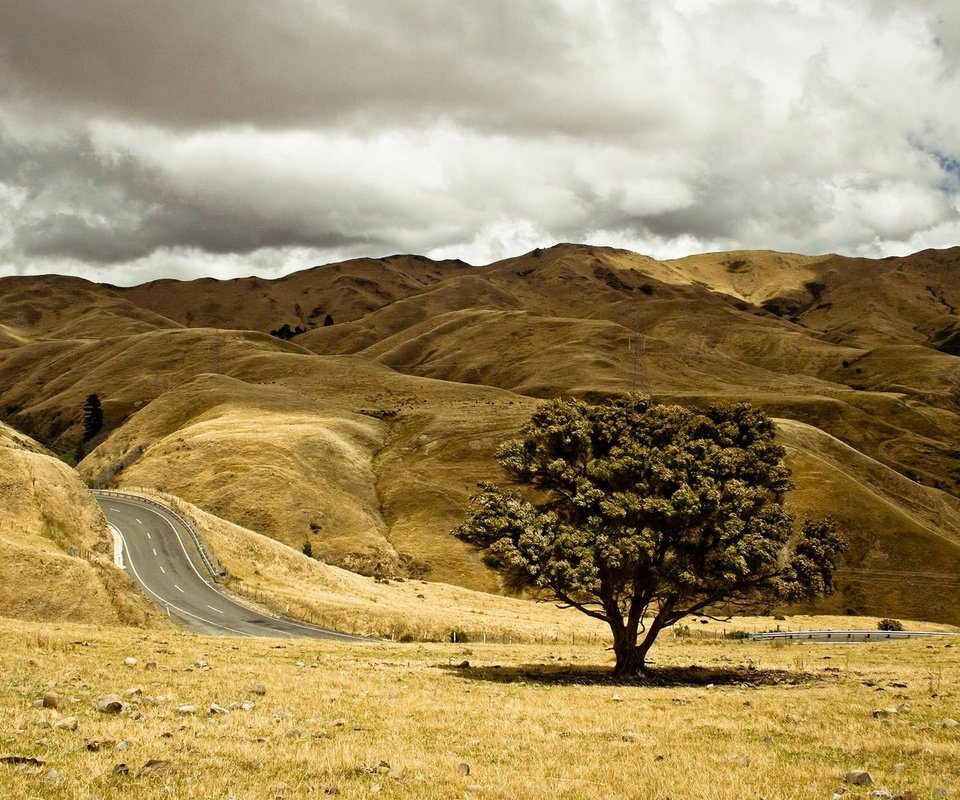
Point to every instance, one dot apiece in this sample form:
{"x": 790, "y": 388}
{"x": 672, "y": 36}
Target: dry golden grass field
{"x": 364, "y": 438}
{"x": 242, "y": 718}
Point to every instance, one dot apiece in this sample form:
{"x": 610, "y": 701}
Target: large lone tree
{"x": 640, "y": 514}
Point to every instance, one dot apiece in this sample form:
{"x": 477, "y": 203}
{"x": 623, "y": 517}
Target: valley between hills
{"x": 359, "y": 439}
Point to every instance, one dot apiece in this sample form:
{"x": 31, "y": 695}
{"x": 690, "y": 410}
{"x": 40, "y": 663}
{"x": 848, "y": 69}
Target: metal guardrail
{"x": 207, "y": 555}
{"x": 843, "y": 636}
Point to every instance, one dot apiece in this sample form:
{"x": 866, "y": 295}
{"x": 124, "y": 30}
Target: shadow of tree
{"x": 744, "y": 676}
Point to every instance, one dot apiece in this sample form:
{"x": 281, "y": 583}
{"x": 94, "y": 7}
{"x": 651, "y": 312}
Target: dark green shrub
{"x": 889, "y": 625}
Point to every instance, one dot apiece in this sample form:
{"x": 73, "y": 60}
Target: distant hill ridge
{"x": 364, "y": 437}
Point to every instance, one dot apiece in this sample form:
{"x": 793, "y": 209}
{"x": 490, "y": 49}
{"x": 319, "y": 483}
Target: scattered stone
{"x": 840, "y": 792}
{"x": 201, "y": 663}
{"x": 130, "y": 661}
{"x": 96, "y": 743}
{"x": 882, "y": 713}
{"x": 741, "y": 760}
{"x": 43, "y": 724}
{"x": 279, "y": 789}
{"x": 29, "y": 760}
{"x": 156, "y": 766}
{"x": 907, "y": 795}
{"x": 66, "y": 724}
{"x": 791, "y": 719}
{"x": 463, "y": 768}
{"x": 882, "y": 794}
{"x": 109, "y": 704}
{"x": 247, "y": 705}
{"x": 215, "y": 708}
{"x": 339, "y": 723}
{"x": 120, "y": 769}
{"x": 396, "y": 772}
{"x": 899, "y": 767}
{"x": 859, "y": 777}
{"x": 51, "y": 700}
{"x": 903, "y": 708}
{"x": 52, "y": 776}
{"x": 186, "y": 709}
{"x": 950, "y": 723}
{"x": 133, "y": 691}
{"x": 939, "y": 793}
{"x": 617, "y": 698}
{"x": 463, "y": 665}
{"x": 630, "y": 737}
{"x": 122, "y": 746}
{"x": 150, "y": 665}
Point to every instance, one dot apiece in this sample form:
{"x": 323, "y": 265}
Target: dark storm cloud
{"x": 84, "y": 207}
{"x": 289, "y": 63}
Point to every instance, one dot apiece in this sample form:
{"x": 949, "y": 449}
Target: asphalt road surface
{"x": 163, "y": 560}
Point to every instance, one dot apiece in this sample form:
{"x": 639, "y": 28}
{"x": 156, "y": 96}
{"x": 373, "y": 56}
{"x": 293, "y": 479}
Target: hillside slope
{"x": 55, "y": 549}
{"x": 361, "y": 440}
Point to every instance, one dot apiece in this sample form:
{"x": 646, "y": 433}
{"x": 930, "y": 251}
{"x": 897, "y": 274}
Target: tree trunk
{"x": 631, "y": 657}
{"x": 630, "y": 662}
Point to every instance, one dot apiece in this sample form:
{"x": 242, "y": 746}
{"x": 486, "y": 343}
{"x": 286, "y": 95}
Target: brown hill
{"x": 55, "y": 549}
{"x": 346, "y": 291}
{"x": 57, "y": 307}
{"x": 364, "y": 438}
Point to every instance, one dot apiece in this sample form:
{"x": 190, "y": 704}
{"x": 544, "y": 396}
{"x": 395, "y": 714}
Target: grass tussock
{"x": 314, "y": 719}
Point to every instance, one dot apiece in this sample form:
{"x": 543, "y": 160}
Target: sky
{"x": 224, "y": 138}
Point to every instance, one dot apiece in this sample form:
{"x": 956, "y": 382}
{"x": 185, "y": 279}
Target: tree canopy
{"x": 640, "y": 514}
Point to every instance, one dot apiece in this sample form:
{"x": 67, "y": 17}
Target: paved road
{"x": 163, "y": 560}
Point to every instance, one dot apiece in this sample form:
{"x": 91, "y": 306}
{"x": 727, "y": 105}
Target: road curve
{"x": 161, "y": 557}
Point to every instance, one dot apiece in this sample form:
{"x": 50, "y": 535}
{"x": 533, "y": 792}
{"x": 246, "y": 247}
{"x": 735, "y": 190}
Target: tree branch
{"x": 583, "y": 608}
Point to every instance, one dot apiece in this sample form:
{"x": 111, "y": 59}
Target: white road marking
{"x": 170, "y": 605}
{"x": 178, "y": 588}
{"x": 148, "y": 535}
{"x": 154, "y": 550}
{"x": 215, "y": 609}
{"x": 162, "y": 569}
{"x": 117, "y": 545}
{"x": 139, "y": 520}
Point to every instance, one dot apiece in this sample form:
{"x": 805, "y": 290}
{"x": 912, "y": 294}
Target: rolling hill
{"x": 360, "y": 441}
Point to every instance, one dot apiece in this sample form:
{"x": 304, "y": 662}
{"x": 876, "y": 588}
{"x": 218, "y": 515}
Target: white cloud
{"x": 474, "y": 131}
